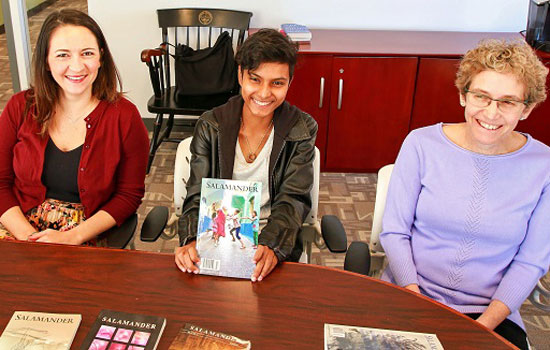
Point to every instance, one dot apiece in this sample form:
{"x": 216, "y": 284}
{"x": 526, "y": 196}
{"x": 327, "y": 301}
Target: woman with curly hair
{"x": 466, "y": 220}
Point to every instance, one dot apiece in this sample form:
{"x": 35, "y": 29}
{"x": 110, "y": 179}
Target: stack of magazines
{"x": 296, "y": 32}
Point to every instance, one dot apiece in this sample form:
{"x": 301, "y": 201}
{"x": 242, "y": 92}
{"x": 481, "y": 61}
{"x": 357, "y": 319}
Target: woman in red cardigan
{"x": 73, "y": 150}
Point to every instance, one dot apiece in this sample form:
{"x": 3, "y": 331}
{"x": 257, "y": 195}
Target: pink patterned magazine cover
{"x": 115, "y": 330}
{"x": 228, "y": 227}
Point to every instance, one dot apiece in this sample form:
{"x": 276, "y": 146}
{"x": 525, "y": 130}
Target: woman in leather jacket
{"x": 256, "y": 130}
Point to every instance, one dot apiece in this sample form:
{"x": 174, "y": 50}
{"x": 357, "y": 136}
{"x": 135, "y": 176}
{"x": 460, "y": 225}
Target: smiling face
{"x": 489, "y": 130}
{"x": 264, "y": 89}
{"x": 74, "y": 60}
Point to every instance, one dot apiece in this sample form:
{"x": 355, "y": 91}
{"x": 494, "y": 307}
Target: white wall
{"x": 131, "y": 25}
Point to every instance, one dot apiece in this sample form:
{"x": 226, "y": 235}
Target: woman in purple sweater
{"x": 467, "y": 219}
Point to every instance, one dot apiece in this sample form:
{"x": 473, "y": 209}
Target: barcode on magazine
{"x": 210, "y": 264}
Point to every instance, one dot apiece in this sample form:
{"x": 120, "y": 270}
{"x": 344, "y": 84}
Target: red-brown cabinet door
{"x": 370, "y": 110}
{"x": 310, "y": 91}
{"x": 538, "y": 122}
{"x": 436, "y": 98}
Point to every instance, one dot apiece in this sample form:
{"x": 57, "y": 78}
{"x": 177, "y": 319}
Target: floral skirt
{"x": 57, "y": 215}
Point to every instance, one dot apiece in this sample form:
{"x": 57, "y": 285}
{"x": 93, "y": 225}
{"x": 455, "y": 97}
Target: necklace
{"x": 87, "y": 110}
{"x": 253, "y": 155}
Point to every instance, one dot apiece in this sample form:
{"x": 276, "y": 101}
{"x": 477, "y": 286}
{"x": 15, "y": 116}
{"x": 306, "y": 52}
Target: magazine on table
{"x": 339, "y": 337}
{"x": 117, "y": 330}
{"x": 39, "y": 331}
{"x": 193, "y": 337}
{"x": 228, "y": 227}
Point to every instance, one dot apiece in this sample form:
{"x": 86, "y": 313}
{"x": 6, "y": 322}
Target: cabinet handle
{"x": 340, "y": 90}
{"x": 322, "y": 92}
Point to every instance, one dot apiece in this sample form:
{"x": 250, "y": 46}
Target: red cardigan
{"x": 112, "y": 166}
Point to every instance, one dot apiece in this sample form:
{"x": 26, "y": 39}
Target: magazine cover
{"x": 339, "y": 337}
{"x": 194, "y": 337}
{"x": 39, "y": 331}
{"x": 228, "y": 227}
{"x": 115, "y": 330}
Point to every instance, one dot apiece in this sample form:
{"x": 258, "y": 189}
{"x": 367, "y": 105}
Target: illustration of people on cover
{"x": 218, "y": 223}
{"x": 255, "y": 221}
{"x": 205, "y": 221}
{"x": 232, "y": 208}
{"x": 236, "y": 223}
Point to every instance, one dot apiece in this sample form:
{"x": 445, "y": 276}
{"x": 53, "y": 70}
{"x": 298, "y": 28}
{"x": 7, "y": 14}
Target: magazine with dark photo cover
{"x": 39, "y": 331}
{"x": 340, "y": 337}
{"x": 228, "y": 227}
{"x": 116, "y": 330}
{"x": 195, "y": 337}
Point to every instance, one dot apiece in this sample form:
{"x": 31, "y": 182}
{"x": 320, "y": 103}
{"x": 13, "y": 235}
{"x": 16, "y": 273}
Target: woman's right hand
{"x": 187, "y": 258}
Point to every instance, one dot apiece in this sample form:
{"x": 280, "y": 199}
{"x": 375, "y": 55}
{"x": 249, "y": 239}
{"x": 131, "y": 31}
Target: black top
{"x": 60, "y": 173}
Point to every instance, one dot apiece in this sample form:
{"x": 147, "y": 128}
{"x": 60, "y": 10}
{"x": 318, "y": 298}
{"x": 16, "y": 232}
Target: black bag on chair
{"x": 206, "y": 71}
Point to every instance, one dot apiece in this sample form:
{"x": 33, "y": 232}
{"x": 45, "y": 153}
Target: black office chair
{"x": 120, "y": 237}
{"x": 185, "y": 26}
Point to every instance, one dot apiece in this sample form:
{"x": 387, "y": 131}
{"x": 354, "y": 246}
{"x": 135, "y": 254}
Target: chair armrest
{"x": 358, "y": 258}
{"x": 154, "y": 224}
{"x": 535, "y": 297}
{"x": 119, "y": 236}
{"x": 148, "y": 53}
{"x": 334, "y": 234}
{"x": 153, "y": 60}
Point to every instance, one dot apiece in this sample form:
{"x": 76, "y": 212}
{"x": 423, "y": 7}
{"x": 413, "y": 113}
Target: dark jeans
{"x": 510, "y": 331}
{"x": 237, "y": 230}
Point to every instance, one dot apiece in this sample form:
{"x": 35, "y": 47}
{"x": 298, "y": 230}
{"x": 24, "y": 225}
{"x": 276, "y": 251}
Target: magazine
{"x": 194, "y": 337}
{"x": 39, "y": 331}
{"x": 339, "y": 337}
{"x": 124, "y": 331}
{"x": 228, "y": 227}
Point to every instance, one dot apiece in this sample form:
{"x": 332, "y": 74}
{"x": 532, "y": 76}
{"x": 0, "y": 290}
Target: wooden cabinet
{"x": 310, "y": 91}
{"x": 368, "y": 89}
{"x": 375, "y": 95}
{"x": 370, "y": 109}
{"x": 436, "y": 98}
{"x": 538, "y": 122}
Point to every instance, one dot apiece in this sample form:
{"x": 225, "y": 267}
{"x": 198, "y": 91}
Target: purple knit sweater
{"x": 466, "y": 227}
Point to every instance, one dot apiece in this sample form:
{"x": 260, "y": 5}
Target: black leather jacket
{"x": 290, "y": 169}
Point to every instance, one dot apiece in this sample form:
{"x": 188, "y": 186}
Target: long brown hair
{"x": 43, "y": 95}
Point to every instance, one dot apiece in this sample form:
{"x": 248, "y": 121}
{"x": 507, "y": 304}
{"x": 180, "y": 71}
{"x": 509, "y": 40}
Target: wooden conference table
{"x": 285, "y": 311}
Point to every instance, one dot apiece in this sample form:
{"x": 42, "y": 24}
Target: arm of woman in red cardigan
{"x": 16, "y": 223}
{"x": 88, "y": 229}
{"x": 11, "y": 215}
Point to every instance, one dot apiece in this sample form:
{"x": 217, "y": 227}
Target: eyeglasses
{"x": 505, "y": 105}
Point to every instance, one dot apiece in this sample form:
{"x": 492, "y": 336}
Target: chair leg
{"x": 154, "y": 141}
{"x": 169, "y": 125}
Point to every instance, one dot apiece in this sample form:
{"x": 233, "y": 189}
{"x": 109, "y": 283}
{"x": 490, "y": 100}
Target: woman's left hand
{"x": 53, "y": 236}
{"x": 495, "y": 313}
{"x": 265, "y": 260}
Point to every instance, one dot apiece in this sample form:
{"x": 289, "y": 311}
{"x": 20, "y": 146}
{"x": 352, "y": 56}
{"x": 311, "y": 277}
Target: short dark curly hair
{"x": 265, "y": 46}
